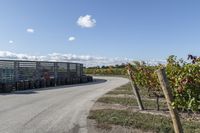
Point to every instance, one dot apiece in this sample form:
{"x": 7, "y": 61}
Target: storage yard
{"x": 22, "y": 75}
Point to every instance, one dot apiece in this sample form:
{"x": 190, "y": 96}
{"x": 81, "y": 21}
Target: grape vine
{"x": 183, "y": 76}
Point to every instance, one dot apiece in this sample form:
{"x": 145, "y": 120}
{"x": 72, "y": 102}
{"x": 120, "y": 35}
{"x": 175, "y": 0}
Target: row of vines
{"x": 183, "y": 77}
{"x": 107, "y": 70}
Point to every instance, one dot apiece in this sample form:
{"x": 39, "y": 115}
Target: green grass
{"x": 136, "y": 120}
{"x": 120, "y": 92}
{"x": 127, "y": 89}
{"x": 118, "y": 100}
{"x": 148, "y": 104}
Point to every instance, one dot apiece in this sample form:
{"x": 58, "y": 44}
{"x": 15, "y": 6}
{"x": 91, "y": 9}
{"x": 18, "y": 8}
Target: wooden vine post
{"x": 169, "y": 98}
{"x": 135, "y": 90}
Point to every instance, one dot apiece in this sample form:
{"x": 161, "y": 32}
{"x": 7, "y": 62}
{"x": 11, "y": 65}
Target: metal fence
{"x": 20, "y": 75}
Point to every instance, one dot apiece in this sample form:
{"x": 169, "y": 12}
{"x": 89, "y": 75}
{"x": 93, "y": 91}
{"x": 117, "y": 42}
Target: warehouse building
{"x": 21, "y": 75}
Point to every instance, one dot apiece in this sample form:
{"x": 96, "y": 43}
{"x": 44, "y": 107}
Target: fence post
{"x": 169, "y": 98}
{"x": 135, "y": 91}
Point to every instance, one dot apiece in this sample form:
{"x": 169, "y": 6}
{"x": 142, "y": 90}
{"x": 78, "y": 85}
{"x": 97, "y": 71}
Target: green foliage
{"x": 107, "y": 70}
{"x": 184, "y": 80}
{"x": 144, "y": 76}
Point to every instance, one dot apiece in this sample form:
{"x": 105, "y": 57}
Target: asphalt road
{"x": 53, "y": 110}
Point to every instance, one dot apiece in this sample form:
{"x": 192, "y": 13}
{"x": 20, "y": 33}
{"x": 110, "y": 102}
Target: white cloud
{"x": 87, "y": 60}
{"x": 86, "y": 21}
{"x": 155, "y": 62}
{"x": 30, "y": 30}
{"x": 71, "y": 38}
{"x": 11, "y": 41}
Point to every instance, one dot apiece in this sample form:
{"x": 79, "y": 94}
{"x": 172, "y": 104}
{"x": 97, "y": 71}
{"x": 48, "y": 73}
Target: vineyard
{"x": 183, "y": 82}
{"x": 107, "y": 70}
{"x": 183, "y": 76}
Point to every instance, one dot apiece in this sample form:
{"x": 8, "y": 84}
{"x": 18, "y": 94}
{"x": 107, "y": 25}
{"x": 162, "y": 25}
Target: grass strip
{"x": 127, "y": 89}
{"x": 145, "y": 122}
{"x": 148, "y": 104}
{"x": 136, "y": 120}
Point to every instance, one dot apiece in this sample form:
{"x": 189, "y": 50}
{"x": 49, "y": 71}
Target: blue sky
{"x": 135, "y": 29}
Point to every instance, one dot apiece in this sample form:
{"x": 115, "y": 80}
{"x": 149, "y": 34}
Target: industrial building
{"x": 21, "y": 75}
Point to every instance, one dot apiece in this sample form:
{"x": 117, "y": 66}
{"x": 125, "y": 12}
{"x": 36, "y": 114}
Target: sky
{"x": 99, "y": 31}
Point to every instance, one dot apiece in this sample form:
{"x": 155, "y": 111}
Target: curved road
{"x": 54, "y": 110}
